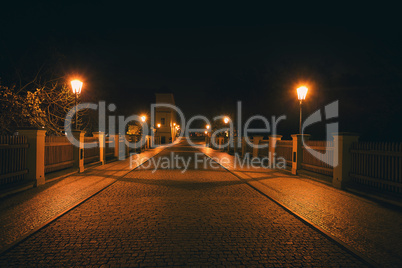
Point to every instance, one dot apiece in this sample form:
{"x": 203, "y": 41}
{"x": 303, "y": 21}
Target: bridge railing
{"x": 31, "y": 156}
{"x": 13, "y": 160}
{"x": 377, "y": 165}
{"x": 109, "y": 147}
{"x": 284, "y": 149}
{"x": 58, "y": 154}
{"x": 321, "y": 163}
{"x": 263, "y": 152}
{"x": 91, "y": 154}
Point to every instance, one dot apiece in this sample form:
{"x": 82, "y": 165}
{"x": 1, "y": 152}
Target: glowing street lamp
{"x": 226, "y": 119}
{"x": 301, "y": 95}
{"x": 207, "y": 126}
{"x": 158, "y": 125}
{"x": 76, "y": 85}
{"x": 143, "y": 118}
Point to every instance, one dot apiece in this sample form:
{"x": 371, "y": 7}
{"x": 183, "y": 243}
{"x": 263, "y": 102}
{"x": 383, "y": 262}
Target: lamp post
{"x": 76, "y": 85}
{"x": 301, "y": 95}
{"x": 229, "y": 134}
{"x": 143, "y": 118}
{"x": 226, "y": 121}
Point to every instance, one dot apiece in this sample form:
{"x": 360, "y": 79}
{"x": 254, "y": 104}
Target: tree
{"x": 134, "y": 128}
{"x": 42, "y": 105}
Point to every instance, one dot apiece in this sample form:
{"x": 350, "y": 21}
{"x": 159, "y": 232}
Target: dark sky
{"x": 210, "y": 57}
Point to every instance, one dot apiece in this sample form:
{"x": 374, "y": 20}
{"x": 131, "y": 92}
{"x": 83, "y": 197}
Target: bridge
{"x": 197, "y": 210}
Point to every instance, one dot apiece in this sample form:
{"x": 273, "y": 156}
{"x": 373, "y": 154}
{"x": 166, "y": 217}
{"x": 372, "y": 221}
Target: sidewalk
{"x": 369, "y": 227}
{"x": 26, "y": 211}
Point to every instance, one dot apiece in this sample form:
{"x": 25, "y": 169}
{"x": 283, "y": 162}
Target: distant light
{"x": 206, "y": 132}
{"x": 174, "y": 124}
{"x": 207, "y": 126}
{"x": 143, "y": 118}
{"x": 76, "y": 86}
{"x": 226, "y": 120}
{"x": 302, "y": 92}
{"x": 159, "y": 125}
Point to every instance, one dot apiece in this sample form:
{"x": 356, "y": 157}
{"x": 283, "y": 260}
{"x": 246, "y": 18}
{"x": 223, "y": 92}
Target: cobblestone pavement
{"x": 371, "y": 228}
{"x": 204, "y": 217}
{"x": 25, "y": 211}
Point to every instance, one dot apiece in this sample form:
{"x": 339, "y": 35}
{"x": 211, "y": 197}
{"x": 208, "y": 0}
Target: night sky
{"x": 210, "y": 57}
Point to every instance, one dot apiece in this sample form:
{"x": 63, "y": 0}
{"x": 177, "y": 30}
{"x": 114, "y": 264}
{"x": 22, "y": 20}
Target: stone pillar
{"x": 342, "y": 158}
{"x": 101, "y": 136}
{"x": 78, "y": 152}
{"x": 297, "y": 153}
{"x": 35, "y": 154}
{"x": 273, "y": 139}
{"x": 256, "y": 141}
{"x": 220, "y": 141}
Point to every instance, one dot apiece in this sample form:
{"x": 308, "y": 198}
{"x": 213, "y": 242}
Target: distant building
{"x": 165, "y": 119}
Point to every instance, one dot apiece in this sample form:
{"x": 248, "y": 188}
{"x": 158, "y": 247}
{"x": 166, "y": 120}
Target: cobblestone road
{"x": 167, "y": 218}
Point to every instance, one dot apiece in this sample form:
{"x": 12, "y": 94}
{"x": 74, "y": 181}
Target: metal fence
{"x": 263, "y": 152}
{"x": 248, "y": 147}
{"x": 215, "y": 142}
{"x": 109, "y": 147}
{"x": 157, "y": 140}
{"x": 58, "y": 154}
{"x": 91, "y": 154}
{"x": 284, "y": 149}
{"x": 13, "y": 160}
{"x": 377, "y": 165}
{"x": 233, "y": 147}
{"x": 322, "y": 164}
{"x": 136, "y": 144}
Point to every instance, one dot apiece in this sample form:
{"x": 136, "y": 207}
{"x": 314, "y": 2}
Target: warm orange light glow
{"x": 226, "y": 120}
{"x": 159, "y": 125}
{"x": 302, "y": 92}
{"x": 143, "y": 118}
{"x": 77, "y": 86}
{"x": 207, "y": 126}
{"x": 206, "y": 132}
{"x": 174, "y": 124}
